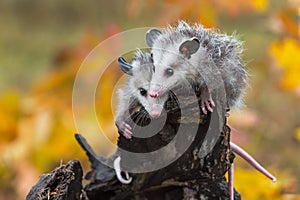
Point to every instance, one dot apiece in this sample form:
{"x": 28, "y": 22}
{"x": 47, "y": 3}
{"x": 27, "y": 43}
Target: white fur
{"x": 142, "y": 69}
{"x": 217, "y": 63}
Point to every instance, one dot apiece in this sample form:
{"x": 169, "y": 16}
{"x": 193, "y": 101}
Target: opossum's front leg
{"x": 206, "y": 101}
{"x": 126, "y": 130}
{"x": 123, "y": 127}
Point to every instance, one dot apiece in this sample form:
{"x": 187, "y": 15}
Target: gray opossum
{"x": 140, "y": 72}
{"x": 202, "y": 57}
{"x": 186, "y": 54}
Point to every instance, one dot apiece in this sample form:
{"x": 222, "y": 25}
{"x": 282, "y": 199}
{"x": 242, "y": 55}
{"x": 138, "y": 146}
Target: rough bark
{"x": 189, "y": 177}
{"x": 64, "y": 182}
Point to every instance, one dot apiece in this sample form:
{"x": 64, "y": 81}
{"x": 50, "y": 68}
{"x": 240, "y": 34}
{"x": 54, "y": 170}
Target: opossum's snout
{"x": 155, "y": 90}
{"x": 156, "y": 110}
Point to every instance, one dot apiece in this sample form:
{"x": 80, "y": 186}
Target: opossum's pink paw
{"x": 126, "y": 130}
{"x": 212, "y": 102}
{"x": 127, "y": 126}
{"x": 204, "y": 109}
{"x": 207, "y": 105}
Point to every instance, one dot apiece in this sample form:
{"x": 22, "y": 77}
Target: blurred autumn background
{"x": 43, "y": 43}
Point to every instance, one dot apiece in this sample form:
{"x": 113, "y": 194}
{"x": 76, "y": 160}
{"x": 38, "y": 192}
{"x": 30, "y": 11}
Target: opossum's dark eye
{"x": 152, "y": 58}
{"x": 169, "y": 72}
{"x": 143, "y": 92}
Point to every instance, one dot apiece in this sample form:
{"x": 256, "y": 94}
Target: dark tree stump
{"x": 188, "y": 177}
{"x": 65, "y": 182}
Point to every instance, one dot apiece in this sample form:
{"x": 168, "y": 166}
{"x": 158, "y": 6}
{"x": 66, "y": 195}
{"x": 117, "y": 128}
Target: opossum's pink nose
{"x": 155, "y": 90}
{"x": 156, "y": 110}
{"x": 153, "y": 95}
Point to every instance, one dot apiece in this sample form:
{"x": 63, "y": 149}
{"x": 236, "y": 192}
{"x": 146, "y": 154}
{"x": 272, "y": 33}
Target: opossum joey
{"x": 173, "y": 68}
{"x": 192, "y": 55}
{"x": 137, "y": 87}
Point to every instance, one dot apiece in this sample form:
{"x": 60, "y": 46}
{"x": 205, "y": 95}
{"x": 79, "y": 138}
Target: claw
{"x": 212, "y": 102}
{"x": 127, "y": 126}
{"x": 208, "y": 106}
{"x": 204, "y": 109}
{"x": 206, "y": 101}
{"x": 127, "y": 134}
{"x": 126, "y": 130}
{"x": 118, "y": 172}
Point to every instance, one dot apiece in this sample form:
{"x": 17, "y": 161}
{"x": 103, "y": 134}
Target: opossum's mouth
{"x": 156, "y": 110}
{"x": 139, "y": 114}
{"x": 170, "y": 105}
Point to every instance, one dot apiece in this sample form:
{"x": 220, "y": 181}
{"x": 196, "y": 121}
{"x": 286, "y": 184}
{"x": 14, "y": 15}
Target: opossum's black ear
{"x": 125, "y": 66}
{"x": 151, "y": 36}
{"x": 189, "y": 47}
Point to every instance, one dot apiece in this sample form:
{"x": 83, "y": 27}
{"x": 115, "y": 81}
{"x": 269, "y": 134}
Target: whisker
{"x": 143, "y": 118}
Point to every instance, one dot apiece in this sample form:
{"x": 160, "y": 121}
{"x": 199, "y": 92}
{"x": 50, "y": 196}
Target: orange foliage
{"x": 205, "y": 12}
{"x": 37, "y": 127}
{"x": 234, "y": 8}
{"x": 285, "y": 57}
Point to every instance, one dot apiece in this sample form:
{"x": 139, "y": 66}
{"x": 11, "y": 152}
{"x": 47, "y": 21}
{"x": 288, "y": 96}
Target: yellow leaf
{"x": 291, "y": 78}
{"x": 286, "y": 55}
{"x": 246, "y": 180}
{"x": 10, "y": 111}
{"x": 298, "y": 133}
{"x": 260, "y": 5}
